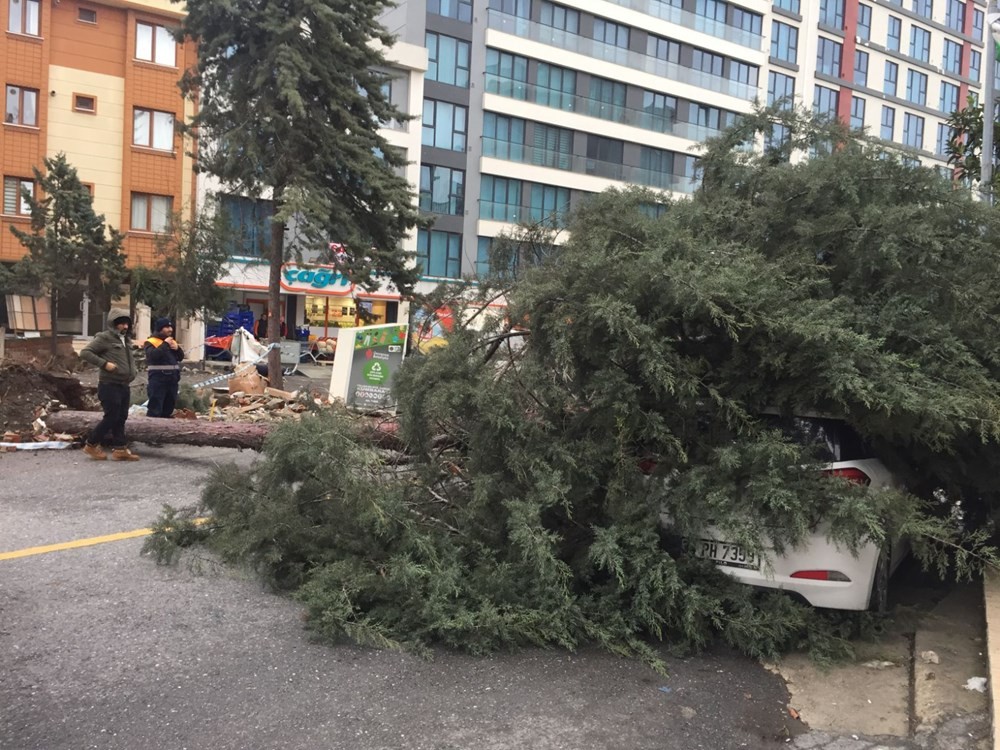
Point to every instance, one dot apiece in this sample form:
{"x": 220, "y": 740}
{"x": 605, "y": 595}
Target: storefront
{"x": 314, "y": 297}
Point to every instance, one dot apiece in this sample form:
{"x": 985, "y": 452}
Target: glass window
{"x": 713, "y": 9}
{"x": 864, "y": 21}
{"x": 707, "y": 62}
{"x": 975, "y": 64}
{"x": 857, "y": 112}
{"x": 663, "y": 49}
{"x": 249, "y": 224}
{"x": 860, "y": 68}
{"x": 784, "y": 42}
{"x": 559, "y": 17}
{"x": 825, "y": 101}
{"x": 831, "y": 13}
{"x": 888, "y": 123}
{"x": 500, "y": 199}
{"x": 14, "y": 201}
{"x": 922, "y": 7}
{"x": 920, "y": 44}
{"x": 895, "y": 34}
{"x": 483, "y": 249}
{"x": 792, "y": 6}
{"x": 657, "y": 168}
{"x": 442, "y": 190}
{"x": 506, "y": 74}
{"x": 155, "y": 44}
{"x": 445, "y": 125}
{"x": 503, "y": 136}
{"x": 549, "y": 204}
{"x": 556, "y": 86}
{"x": 780, "y": 89}
{"x": 24, "y": 17}
{"x": 743, "y": 72}
{"x": 891, "y": 84}
{"x": 916, "y": 87}
{"x": 949, "y": 98}
{"x": 747, "y": 20}
{"x": 447, "y": 59}
{"x": 913, "y": 130}
{"x": 150, "y": 213}
{"x": 828, "y": 57}
{"x": 660, "y": 111}
{"x": 611, "y": 33}
{"x": 458, "y": 9}
{"x": 607, "y": 99}
{"x": 21, "y": 106}
{"x": 439, "y": 253}
{"x": 552, "y": 146}
{"x": 604, "y": 149}
{"x": 978, "y": 21}
{"x": 153, "y": 129}
{"x": 952, "y": 59}
{"x": 944, "y": 136}
{"x": 955, "y": 15}
{"x": 517, "y": 8}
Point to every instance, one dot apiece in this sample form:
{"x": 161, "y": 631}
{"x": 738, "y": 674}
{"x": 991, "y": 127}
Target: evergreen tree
{"x": 290, "y": 98}
{"x": 964, "y": 148}
{"x": 69, "y": 245}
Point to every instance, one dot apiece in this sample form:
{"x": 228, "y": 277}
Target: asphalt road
{"x": 101, "y": 648}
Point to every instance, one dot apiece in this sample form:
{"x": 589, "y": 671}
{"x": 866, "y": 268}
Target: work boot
{"x": 123, "y": 454}
{"x": 96, "y": 452}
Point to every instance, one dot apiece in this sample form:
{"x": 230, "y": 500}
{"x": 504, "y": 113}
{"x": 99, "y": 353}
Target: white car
{"x": 818, "y": 571}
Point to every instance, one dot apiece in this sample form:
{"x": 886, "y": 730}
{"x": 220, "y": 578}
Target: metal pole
{"x": 989, "y": 99}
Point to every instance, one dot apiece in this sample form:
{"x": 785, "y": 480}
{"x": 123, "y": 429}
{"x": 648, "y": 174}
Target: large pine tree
{"x": 290, "y": 99}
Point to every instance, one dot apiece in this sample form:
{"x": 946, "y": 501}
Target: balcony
{"x": 536, "y": 32}
{"x": 686, "y": 18}
{"x": 662, "y": 121}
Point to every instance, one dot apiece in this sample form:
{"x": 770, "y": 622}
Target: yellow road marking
{"x": 76, "y": 544}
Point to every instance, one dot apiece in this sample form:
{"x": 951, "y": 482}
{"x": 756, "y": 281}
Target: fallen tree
{"x": 152, "y": 430}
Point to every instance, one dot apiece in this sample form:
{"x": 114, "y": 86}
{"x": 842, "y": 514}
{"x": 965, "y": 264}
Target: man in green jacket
{"x": 110, "y": 350}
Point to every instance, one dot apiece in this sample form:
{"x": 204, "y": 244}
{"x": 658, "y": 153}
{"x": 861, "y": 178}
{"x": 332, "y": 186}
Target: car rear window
{"x": 833, "y": 440}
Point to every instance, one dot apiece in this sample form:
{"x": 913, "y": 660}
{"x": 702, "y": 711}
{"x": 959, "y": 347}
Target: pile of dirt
{"x": 27, "y": 393}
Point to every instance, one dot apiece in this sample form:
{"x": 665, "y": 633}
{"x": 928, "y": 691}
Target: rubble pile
{"x": 272, "y": 405}
{"x": 29, "y": 394}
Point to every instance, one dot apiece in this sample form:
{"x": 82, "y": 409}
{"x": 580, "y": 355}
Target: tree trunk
{"x": 274, "y": 374}
{"x": 54, "y": 312}
{"x": 183, "y": 431}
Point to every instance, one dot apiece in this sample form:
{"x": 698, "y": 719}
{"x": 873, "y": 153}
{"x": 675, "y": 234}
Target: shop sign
{"x": 326, "y": 279}
{"x": 377, "y": 355}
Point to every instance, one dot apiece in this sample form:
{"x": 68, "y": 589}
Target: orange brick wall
{"x": 99, "y": 48}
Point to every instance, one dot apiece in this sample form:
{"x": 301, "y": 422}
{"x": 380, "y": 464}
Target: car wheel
{"x": 878, "y": 600}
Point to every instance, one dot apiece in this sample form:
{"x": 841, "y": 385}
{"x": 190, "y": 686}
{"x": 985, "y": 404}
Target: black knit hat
{"x": 161, "y": 323}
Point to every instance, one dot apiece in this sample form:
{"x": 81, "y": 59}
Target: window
{"x": 663, "y": 49}
{"x": 458, "y": 9}
{"x": 713, "y": 9}
{"x": 607, "y": 99}
{"x": 828, "y": 57}
{"x": 657, "y": 167}
{"x": 556, "y": 86}
{"x": 611, "y": 33}
{"x": 780, "y": 88}
{"x": 747, "y": 20}
{"x": 831, "y": 13}
{"x": 516, "y": 8}
{"x": 503, "y": 136}
{"x": 439, "y": 253}
{"x": 792, "y": 6}
{"x": 825, "y": 101}
{"x": 549, "y": 203}
{"x": 916, "y": 87}
{"x": 552, "y": 146}
{"x": 975, "y": 63}
{"x": 506, "y": 74}
{"x": 86, "y": 15}
{"x": 707, "y": 62}
{"x": 743, "y": 73}
{"x": 155, "y": 44}
{"x": 500, "y": 199}
{"x": 952, "y": 59}
{"x": 604, "y": 149}
{"x": 920, "y": 44}
{"x": 558, "y": 17}
{"x": 949, "y": 98}
{"x": 15, "y": 203}
{"x": 891, "y": 84}
{"x": 483, "y": 249}
{"x": 445, "y": 125}
{"x": 864, "y": 22}
{"x": 24, "y": 17}
{"x": 978, "y": 21}
{"x": 895, "y": 34}
{"x": 922, "y": 7}
{"x": 707, "y": 116}
{"x": 660, "y": 111}
{"x": 151, "y": 213}
{"x": 153, "y": 129}
{"x": 249, "y": 222}
{"x": 944, "y": 136}
{"x": 913, "y": 130}
{"x": 857, "y": 112}
{"x": 447, "y": 59}
{"x": 954, "y": 16}
{"x": 85, "y": 103}
{"x": 442, "y": 190}
{"x": 860, "y": 68}
{"x": 22, "y": 106}
{"x": 784, "y": 42}
{"x": 888, "y": 123}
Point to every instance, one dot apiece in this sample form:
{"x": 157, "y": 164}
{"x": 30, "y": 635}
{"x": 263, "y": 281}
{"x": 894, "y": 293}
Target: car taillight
{"x": 851, "y": 475}
{"x": 821, "y": 575}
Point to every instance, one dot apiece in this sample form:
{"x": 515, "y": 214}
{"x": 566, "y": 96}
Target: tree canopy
{"x": 523, "y": 511}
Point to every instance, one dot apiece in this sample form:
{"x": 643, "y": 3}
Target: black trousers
{"x": 114, "y": 398}
{"x": 162, "y": 392}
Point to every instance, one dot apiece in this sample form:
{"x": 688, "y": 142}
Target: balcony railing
{"x": 663, "y": 121}
{"x": 514, "y": 214}
{"x": 686, "y": 18}
{"x": 536, "y": 32}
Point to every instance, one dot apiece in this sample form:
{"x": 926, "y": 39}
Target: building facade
{"x": 97, "y": 81}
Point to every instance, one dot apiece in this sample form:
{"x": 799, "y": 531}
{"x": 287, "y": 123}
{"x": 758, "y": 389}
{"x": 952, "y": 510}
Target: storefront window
{"x": 324, "y": 315}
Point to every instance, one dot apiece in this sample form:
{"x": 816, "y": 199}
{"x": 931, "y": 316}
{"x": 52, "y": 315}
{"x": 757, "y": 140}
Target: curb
{"x": 991, "y": 604}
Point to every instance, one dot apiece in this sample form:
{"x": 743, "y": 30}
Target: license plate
{"x": 726, "y": 553}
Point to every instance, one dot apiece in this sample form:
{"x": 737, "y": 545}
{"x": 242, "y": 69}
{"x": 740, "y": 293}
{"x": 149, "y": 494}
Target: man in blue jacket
{"x": 163, "y": 362}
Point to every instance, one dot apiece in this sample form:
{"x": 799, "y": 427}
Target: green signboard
{"x": 378, "y": 353}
